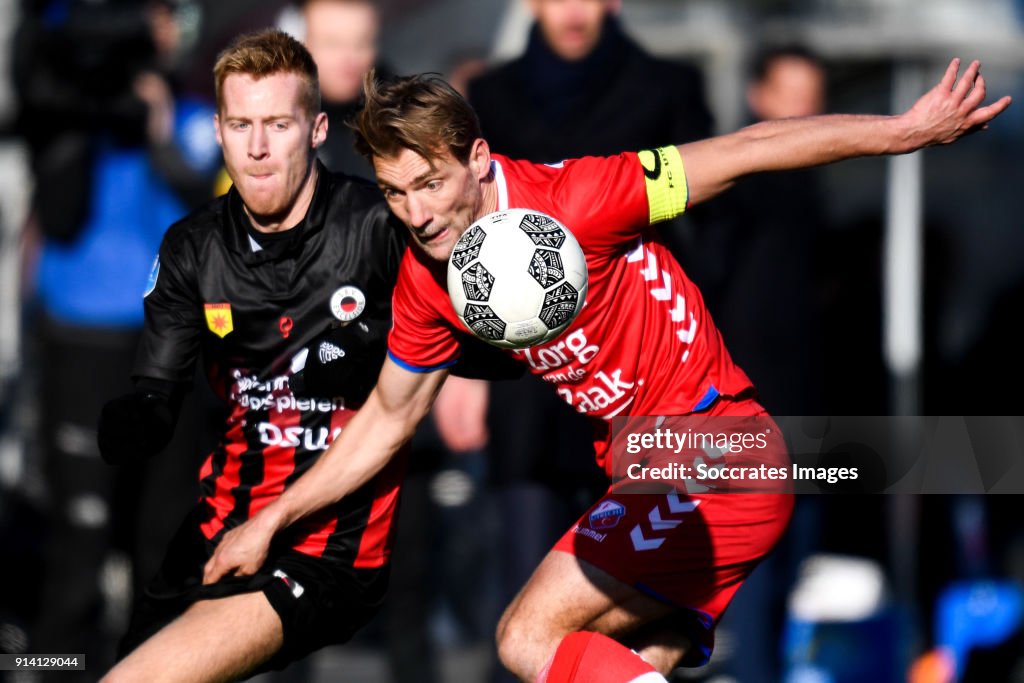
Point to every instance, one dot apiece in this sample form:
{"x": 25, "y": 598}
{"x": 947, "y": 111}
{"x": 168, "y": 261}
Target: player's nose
{"x": 258, "y": 147}
{"x": 419, "y": 214}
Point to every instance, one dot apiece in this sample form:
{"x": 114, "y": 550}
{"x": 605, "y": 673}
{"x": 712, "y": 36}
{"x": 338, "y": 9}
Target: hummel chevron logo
{"x": 659, "y": 524}
{"x": 676, "y": 505}
{"x": 640, "y": 543}
{"x": 329, "y": 352}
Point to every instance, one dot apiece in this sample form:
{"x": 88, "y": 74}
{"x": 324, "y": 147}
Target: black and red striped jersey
{"x": 250, "y": 304}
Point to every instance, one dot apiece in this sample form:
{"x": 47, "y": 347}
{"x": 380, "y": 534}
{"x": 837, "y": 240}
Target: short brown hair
{"x": 422, "y": 113}
{"x": 265, "y": 53}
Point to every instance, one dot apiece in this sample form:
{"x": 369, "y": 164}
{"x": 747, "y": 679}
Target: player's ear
{"x": 480, "y": 158}
{"x": 216, "y": 129}
{"x": 319, "y": 130}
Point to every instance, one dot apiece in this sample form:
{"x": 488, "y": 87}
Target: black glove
{"x": 137, "y": 425}
{"x": 480, "y": 360}
{"x": 343, "y": 361}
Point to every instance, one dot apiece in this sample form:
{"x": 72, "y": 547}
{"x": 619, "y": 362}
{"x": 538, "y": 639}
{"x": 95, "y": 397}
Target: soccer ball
{"x": 517, "y": 278}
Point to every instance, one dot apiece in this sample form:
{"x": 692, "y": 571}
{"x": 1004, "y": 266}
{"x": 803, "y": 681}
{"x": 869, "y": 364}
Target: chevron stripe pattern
{"x": 659, "y": 283}
{"x": 663, "y": 517}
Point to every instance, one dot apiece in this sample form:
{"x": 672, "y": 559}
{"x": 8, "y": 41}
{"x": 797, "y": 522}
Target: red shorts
{"x": 688, "y": 550}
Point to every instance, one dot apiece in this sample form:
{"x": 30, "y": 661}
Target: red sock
{"x": 587, "y": 657}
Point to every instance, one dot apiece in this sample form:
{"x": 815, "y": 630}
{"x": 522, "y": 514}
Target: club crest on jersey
{"x": 218, "y": 319}
{"x": 347, "y": 303}
{"x": 607, "y": 515}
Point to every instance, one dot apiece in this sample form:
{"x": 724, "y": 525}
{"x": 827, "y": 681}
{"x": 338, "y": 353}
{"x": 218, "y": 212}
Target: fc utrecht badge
{"x": 218, "y": 319}
{"x": 606, "y": 515}
{"x": 347, "y": 303}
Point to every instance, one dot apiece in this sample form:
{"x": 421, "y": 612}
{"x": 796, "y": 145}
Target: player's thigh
{"x": 567, "y": 594}
{"x": 637, "y": 558}
{"x": 213, "y": 640}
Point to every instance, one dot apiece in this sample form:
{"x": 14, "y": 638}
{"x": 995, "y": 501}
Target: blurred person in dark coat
{"x": 760, "y": 263}
{"x": 342, "y": 37}
{"x": 583, "y": 86}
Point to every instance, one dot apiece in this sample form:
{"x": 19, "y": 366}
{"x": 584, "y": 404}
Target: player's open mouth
{"x": 426, "y": 239}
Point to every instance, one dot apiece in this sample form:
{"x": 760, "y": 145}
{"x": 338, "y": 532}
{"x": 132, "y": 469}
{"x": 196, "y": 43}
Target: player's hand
{"x": 952, "y": 109}
{"x": 241, "y": 552}
{"x": 134, "y": 427}
{"x": 460, "y": 414}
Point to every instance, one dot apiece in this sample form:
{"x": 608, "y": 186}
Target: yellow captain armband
{"x": 665, "y": 180}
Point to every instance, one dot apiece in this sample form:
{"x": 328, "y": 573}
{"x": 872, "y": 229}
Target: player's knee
{"x": 507, "y": 641}
{"x": 523, "y": 648}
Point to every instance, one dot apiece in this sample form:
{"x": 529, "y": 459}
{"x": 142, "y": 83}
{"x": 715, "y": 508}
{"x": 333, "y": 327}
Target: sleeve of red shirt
{"x": 421, "y": 339}
{"x": 605, "y": 198}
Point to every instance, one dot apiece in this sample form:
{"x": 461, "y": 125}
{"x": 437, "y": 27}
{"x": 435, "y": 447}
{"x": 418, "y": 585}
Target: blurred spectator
{"x": 13, "y": 206}
{"x": 465, "y": 66}
{"x": 342, "y": 37}
{"x": 20, "y": 516}
{"x": 220, "y": 22}
{"x": 585, "y": 87}
{"x": 787, "y": 82}
{"x": 760, "y": 264}
{"x": 117, "y": 158}
{"x": 582, "y": 87}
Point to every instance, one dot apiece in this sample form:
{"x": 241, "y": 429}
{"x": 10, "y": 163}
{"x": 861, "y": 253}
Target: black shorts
{"x": 320, "y": 602}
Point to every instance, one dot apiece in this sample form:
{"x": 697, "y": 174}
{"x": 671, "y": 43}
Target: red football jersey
{"x": 644, "y": 343}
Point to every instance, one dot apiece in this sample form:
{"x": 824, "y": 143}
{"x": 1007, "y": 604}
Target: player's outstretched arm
{"x": 381, "y": 427}
{"x": 950, "y": 110}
